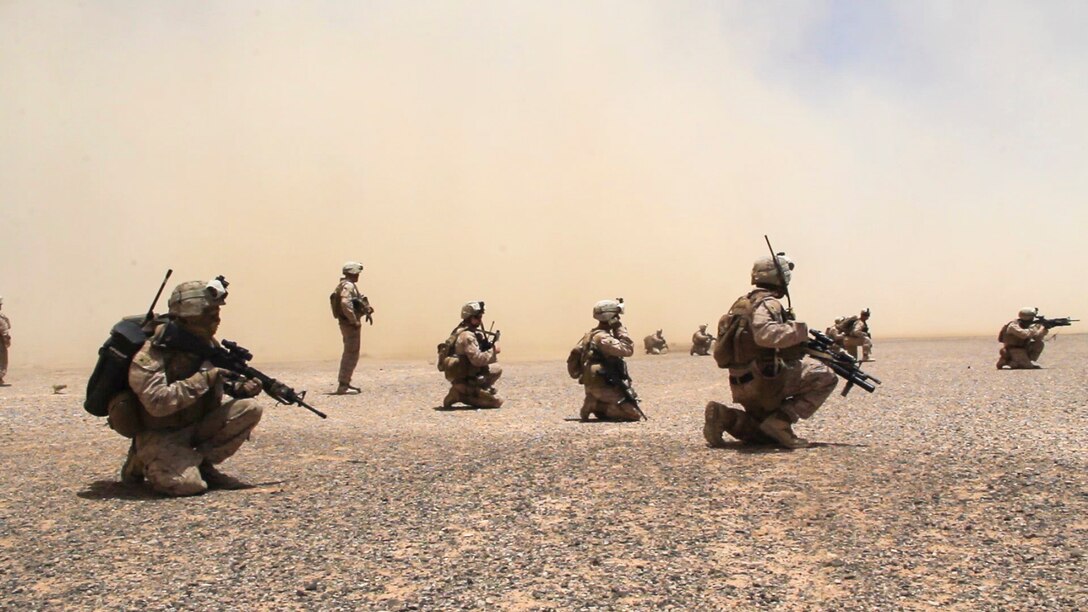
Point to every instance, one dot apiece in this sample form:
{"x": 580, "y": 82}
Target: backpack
{"x": 110, "y": 375}
{"x": 334, "y": 300}
{"x": 446, "y": 358}
{"x": 577, "y": 358}
{"x": 736, "y": 346}
{"x": 846, "y": 324}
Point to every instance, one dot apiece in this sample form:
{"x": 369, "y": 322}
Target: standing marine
{"x": 185, "y": 415}
{"x": 857, "y": 334}
{"x": 597, "y": 362}
{"x": 468, "y": 359}
{"x": 5, "y": 343}
{"x": 762, "y": 345}
{"x": 351, "y": 308}
{"x": 655, "y": 344}
{"x": 701, "y": 341}
{"x": 1023, "y": 342}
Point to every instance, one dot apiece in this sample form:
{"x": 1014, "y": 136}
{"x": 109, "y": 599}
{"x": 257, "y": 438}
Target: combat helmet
{"x": 352, "y": 267}
{"x": 606, "y": 310}
{"x": 1027, "y": 314}
{"x": 190, "y": 298}
{"x": 472, "y": 309}
{"x": 764, "y": 272}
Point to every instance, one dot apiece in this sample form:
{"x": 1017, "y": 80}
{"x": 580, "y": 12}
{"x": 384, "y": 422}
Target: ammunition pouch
{"x": 124, "y": 414}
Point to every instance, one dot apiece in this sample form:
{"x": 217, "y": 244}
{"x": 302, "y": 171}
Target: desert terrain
{"x": 953, "y": 486}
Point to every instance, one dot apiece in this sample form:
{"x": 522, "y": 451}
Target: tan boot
{"x": 713, "y": 425}
{"x": 132, "y": 472}
{"x": 450, "y": 399}
{"x": 779, "y": 429}
{"x": 219, "y": 480}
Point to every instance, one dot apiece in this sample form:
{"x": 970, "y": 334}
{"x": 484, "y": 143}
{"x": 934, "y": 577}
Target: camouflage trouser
{"x": 851, "y": 344}
{"x": 350, "y": 358}
{"x": 607, "y": 403}
{"x": 700, "y": 349}
{"x": 3, "y": 360}
{"x": 475, "y": 391}
{"x": 1021, "y": 358}
{"x": 171, "y": 458}
{"x": 800, "y": 388}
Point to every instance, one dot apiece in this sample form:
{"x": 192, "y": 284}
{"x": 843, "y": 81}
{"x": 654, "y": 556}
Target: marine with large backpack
{"x": 172, "y": 403}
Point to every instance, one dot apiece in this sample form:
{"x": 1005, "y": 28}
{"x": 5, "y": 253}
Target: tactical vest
{"x": 358, "y": 303}
{"x": 1011, "y": 341}
{"x": 593, "y": 360}
{"x": 446, "y": 356}
{"x": 458, "y": 368}
{"x": 736, "y": 347}
{"x": 128, "y": 416}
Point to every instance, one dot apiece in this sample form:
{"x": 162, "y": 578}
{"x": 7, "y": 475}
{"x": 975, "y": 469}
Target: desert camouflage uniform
{"x": 5, "y": 342}
{"x": 185, "y": 421}
{"x": 655, "y": 344}
{"x": 605, "y": 401}
{"x": 472, "y": 379}
{"x": 778, "y": 383}
{"x": 1023, "y": 344}
{"x": 858, "y": 335}
{"x": 350, "y": 329}
{"x": 700, "y": 342}
{"x": 835, "y": 333}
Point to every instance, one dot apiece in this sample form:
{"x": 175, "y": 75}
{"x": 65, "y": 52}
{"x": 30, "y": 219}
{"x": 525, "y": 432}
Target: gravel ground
{"x": 954, "y": 485}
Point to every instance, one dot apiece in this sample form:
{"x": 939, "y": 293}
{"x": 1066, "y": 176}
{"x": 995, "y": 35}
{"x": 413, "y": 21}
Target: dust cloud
{"x": 539, "y": 156}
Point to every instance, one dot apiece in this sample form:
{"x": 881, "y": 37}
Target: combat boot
{"x": 132, "y": 472}
{"x": 450, "y": 399}
{"x": 346, "y": 389}
{"x": 714, "y": 425}
{"x": 219, "y": 480}
{"x": 779, "y": 429}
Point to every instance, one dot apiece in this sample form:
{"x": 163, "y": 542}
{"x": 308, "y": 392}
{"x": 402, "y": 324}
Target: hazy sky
{"x": 923, "y": 159}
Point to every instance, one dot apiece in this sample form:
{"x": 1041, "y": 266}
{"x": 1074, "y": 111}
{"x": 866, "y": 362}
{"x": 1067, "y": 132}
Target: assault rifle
{"x": 614, "y": 371}
{"x": 823, "y": 349}
{"x": 233, "y": 358}
{"x": 361, "y": 306}
{"x": 488, "y": 338}
{"x": 1052, "y": 323}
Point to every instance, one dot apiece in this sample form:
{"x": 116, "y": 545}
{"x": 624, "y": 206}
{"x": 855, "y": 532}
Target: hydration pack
{"x": 446, "y": 359}
{"x": 576, "y": 360}
{"x": 110, "y": 375}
